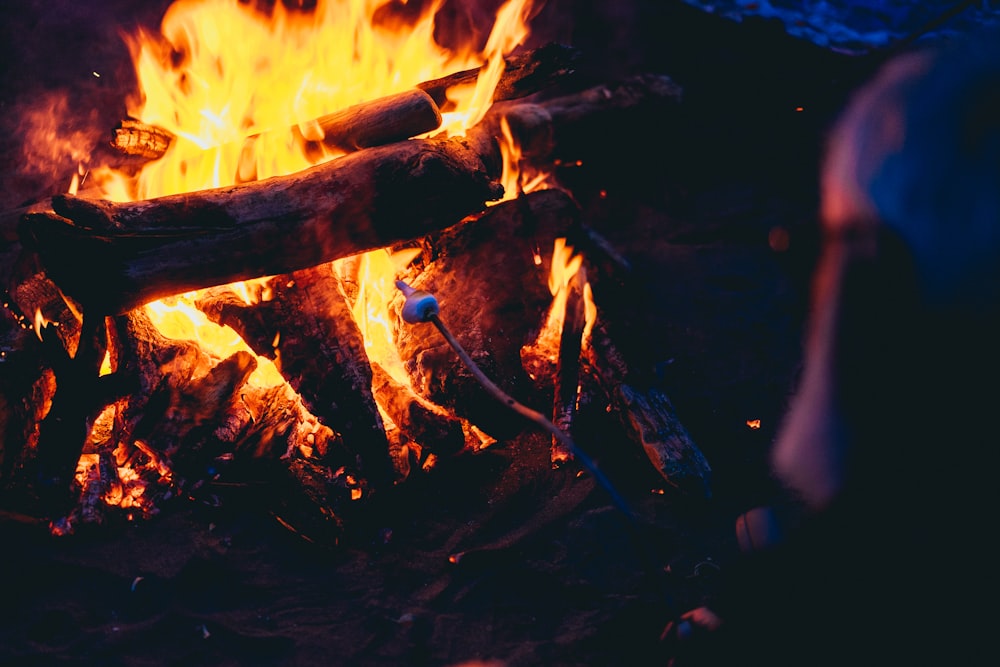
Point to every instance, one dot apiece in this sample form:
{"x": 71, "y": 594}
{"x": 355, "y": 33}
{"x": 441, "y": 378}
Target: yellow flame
{"x": 238, "y": 88}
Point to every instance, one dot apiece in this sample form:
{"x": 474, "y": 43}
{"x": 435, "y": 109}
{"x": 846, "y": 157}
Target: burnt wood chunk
{"x": 307, "y": 328}
{"x": 647, "y": 415}
{"x": 490, "y": 277}
{"x": 421, "y": 421}
{"x": 567, "y": 378}
{"x": 523, "y": 75}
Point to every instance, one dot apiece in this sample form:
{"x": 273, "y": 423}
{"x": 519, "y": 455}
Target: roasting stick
{"x": 421, "y": 306}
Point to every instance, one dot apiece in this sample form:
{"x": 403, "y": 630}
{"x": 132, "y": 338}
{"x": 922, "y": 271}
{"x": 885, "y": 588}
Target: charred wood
{"x": 566, "y": 125}
{"x": 567, "y": 377}
{"x": 524, "y": 74}
{"x": 117, "y": 256}
{"x": 647, "y": 415}
{"x": 373, "y": 123}
{"x": 308, "y": 329}
{"x": 489, "y": 276}
{"x": 133, "y": 137}
{"x": 27, "y": 385}
{"x": 75, "y": 403}
{"x": 362, "y": 201}
{"x": 418, "y": 419}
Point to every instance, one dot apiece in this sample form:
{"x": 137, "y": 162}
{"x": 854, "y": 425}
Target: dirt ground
{"x": 695, "y": 206}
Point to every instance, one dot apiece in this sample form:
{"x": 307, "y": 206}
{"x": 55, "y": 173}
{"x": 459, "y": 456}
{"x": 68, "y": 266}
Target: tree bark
{"x": 490, "y": 277}
{"x": 114, "y": 257}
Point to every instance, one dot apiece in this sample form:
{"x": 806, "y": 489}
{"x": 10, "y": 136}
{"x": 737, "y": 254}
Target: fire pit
{"x": 207, "y": 370}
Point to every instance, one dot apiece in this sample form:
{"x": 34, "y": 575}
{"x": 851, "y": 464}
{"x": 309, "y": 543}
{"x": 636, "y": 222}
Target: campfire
{"x": 233, "y": 295}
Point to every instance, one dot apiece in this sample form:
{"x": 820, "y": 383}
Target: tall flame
{"x": 238, "y": 88}
{"x": 221, "y": 72}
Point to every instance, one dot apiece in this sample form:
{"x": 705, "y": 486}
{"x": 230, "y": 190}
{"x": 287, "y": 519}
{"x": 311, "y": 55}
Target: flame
{"x": 566, "y": 272}
{"x": 239, "y": 88}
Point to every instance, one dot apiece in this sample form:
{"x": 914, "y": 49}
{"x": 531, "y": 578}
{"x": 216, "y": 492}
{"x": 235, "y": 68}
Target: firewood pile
{"x": 102, "y": 416}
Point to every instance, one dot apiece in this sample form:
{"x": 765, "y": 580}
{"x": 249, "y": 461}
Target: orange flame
{"x": 238, "y": 88}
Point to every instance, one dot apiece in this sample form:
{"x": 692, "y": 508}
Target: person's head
{"x": 906, "y": 294}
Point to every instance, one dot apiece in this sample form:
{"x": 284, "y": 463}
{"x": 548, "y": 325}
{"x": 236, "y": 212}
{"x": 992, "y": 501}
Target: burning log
{"x": 567, "y": 377}
{"x": 648, "y": 416}
{"x": 575, "y": 120}
{"x": 138, "y": 139}
{"x": 27, "y": 385}
{"x": 114, "y": 257}
{"x": 373, "y": 123}
{"x": 490, "y": 277}
{"x": 385, "y": 120}
{"x": 308, "y": 329}
{"x": 420, "y": 420}
{"x": 78, "y": 397}
{"x": 524, "y": 74}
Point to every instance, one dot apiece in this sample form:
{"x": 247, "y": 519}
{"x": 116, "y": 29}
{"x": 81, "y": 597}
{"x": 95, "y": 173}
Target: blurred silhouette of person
{"x": 888, "y": 451}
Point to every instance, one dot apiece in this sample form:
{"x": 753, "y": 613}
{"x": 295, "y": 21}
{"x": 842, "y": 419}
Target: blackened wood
{"x": 308, "y": 329}
{"x": 567, "y": 378}
{"x": 490, "y": 277}
{"x": 361, "y": 201}
{"x": 372, "y": 123}
{"x": 77, "y": 399}
{"x": 27, "y": 384}
{"x": 421, "y": 421}
{"x": 647, "y": 415}
{"x": 524, "y": 74}
{"x": 570, "y": 123}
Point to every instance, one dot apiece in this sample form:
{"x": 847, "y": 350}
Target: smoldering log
{"x": 524, "y": 74}
{"x": 163, "y": 371}
{"x": 567, "y": 377}
{"x": 571, "y": 122}
{"x": 138, "y": 139}
{"x": 648, "y": 416}
{"x": 490, "y": 278}
{"x": 308, "y": 329}
{"x": 27, "y": 385}
{"x": 420, "y": 420}
{"x": 114, "y": 257}
{"x": 373, "y": 123}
